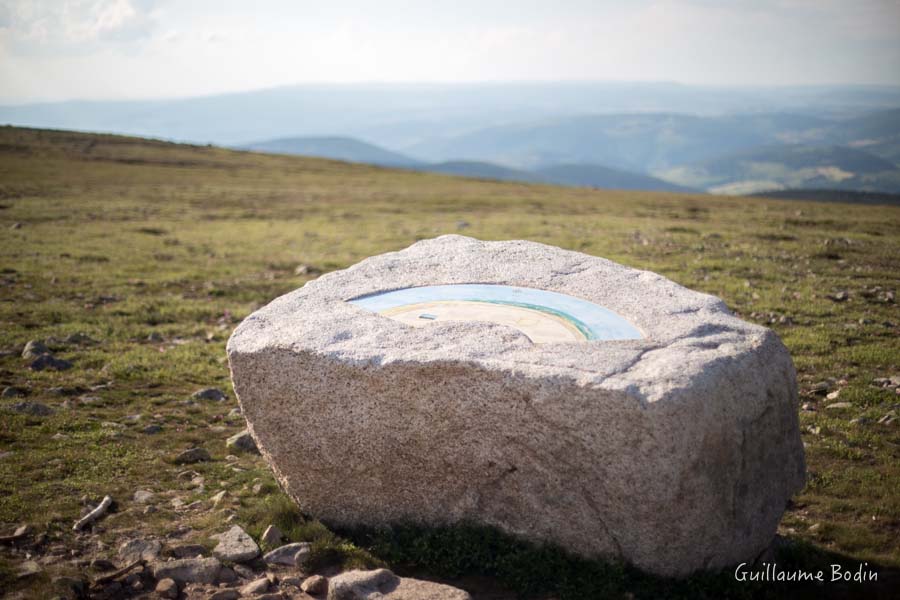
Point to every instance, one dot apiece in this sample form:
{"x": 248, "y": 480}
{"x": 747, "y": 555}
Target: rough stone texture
{"x": 675, "y": 452}
{"x": 235, "y": 546}
{"x": 188, "y": 570}
{"x": 243, "y": 442}
{"x": 287, "y": 554}
{"x": 381, "y": 584}
{"x": 314, "y": 585}
{"x": 134, "y": 550}
{"x": 167, "y": 588}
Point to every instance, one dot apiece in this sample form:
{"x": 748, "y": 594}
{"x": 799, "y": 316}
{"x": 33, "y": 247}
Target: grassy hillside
{"x": 337, "y": 148}
{"x": 791, "y": 166}
{"x": 156, "y": 251}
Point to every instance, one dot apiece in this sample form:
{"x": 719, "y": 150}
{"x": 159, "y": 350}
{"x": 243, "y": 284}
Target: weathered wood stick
{"x": 119, "y": 573}
{"x": 93, "y": 515}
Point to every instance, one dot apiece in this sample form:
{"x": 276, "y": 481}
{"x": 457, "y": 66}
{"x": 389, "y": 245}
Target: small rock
{"x": 151, "y": 429}
{"x": 218, "y": 498}
{"x": 314, "y": 585}
{"x": 188, "y": 551}
{"x": 79, "y": 338}
{"x": 821, "y": 387}
{"x": 292, "y": 581}
{"x": 143, "y": 496}
{"x": 271, "y": 596}
{"x": 841, "y": 296}
{"x": 22, "y": 531}
{"x": 155, "y": 338}
{"x": 101, "y": 564}
{"x": 286, "y": 555}
{"x": 225, "y": 595}
{"x": 242, "y": 441}
{"x": 29, "y": 568}
{"x": 839, "y": 406}
{"x": 194, "y": 455}
{"x": 134, "y": 550}
{"x": 12, "y": 392}
{"x": 189, "y": 570}
{"x": 167, "y": 588}
{"x": 808, "y": 407}
{"x": 235, "y": 546}
{"x": 258, "y": 586}
{"x": 209, "y": 394}
{"x": 272, "y": 536}
{"x": 833, "y": 395}
{"x": 227, "y": 575}
{"x": 48, "y": 361}
{"x": 34, "y": 348}
{"x": 244, "y": 571}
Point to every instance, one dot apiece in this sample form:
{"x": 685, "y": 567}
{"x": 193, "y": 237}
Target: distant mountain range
{"x": 353, "y": 150}
{"x": 659, "y": 136}
{"x": 336, "y": 147}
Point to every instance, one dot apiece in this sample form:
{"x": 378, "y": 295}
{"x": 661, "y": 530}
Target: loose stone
{"x": 287, "y": 554}
{"x": 209, "y": 394}
{"x": 314, "y": 585}
{"x": 193, "y": 455}
{"x": 235, "y": 546}
{"x": 242, "y": 441}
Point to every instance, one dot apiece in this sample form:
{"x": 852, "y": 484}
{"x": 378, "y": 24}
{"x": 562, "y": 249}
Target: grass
{"x": 120, "y": 238}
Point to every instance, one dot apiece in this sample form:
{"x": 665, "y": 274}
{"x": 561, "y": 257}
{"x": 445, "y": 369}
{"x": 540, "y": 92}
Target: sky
{"x": 54, "y": 50}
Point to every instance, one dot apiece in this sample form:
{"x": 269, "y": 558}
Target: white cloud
{"x": 138, "y": 48}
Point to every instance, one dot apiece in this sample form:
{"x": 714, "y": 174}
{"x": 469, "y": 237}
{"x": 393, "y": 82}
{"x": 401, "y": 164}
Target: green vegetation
{"x": 120, "y": 239}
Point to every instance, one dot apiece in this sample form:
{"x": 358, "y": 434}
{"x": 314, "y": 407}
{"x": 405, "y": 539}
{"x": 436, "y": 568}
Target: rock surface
{"x": 188, "y": 570}
{"x": 381, "y": 584}
{"x": 235, "y": 546}
{"x": 674, "y": 452}
{"x": 287, "y": 554}
{"x": 243, "y": 442}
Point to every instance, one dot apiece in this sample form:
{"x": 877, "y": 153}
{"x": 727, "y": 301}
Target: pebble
{"x": 151, "y": 429}
{"x": 833, "y": 395}
{"x": 841, "y": 296}
{"x": 209, "y": 394}
{"x": 167, "y": 588}
{"x": 226, "y": 595}
{"x": 242, "y": 441}
{"x": 193, "y": 455}
{"x": 314, "y": 585}
{"x": 808, "y": 407}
